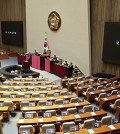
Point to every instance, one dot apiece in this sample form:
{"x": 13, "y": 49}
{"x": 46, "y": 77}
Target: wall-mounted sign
{"x": 54, "y": 21}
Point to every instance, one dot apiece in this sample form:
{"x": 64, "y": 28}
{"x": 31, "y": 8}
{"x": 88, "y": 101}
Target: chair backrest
{"x": 72, "y": 110}
{"x": 102, "y": 95}
{"x": 24, "y": 103}
{"x": 117, "y": 103}
{"x": 88, "y": 108}
{"x": 81, "y": 84}
{"x": 59, "y": 101}
{"x": 114, "y": 92}
{"x": 106, "y": 120}
{"x": 80, "y": 78}
{"x": 6, "y": 95}
{"x": 74, "y": 100}
{"x": 115, "y": 83}
{"x": 47, "y": 126}
{"x": 90, "y": 89}
{"x": 35, "y": 95}
{"x": 20, "y": 95}
{"x": 87, "y": 77}
{"x": 108, "y": 85}
{"x": 88, "y": 123}
{"x": 9, "y": 104}
{"x": 51, "y": 94}
{"x": 71, "y": 80}
{"x": 42, "y": 103}
{"x": 91, "y": 81}
{"x": 27, "y": 95}
{"x": 34, "y": 114}
{"x": 53, "y": 112}
{"x": 26, "y": 129}
{"x": 100, "y": 87}
{"x": 66, "y": 126}
{"x": 63, "y": 93}
{"x": 100, "y": 80}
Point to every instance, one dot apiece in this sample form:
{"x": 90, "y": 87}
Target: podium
{"x": 38, "y": 61}
{"x": 26, "y": 65}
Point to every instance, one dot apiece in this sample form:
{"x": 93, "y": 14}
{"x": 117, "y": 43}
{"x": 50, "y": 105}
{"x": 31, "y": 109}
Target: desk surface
{"x": 38, "y": 99}
{"x": 63, "y": 118}
{"x": 4, "y": 108}
{"x": 32, "y": 92}
{"x": 63, "y": 106}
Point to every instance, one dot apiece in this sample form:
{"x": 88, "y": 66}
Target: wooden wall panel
{"x": 102, "y": 11}
{"x": 13, "y": 10}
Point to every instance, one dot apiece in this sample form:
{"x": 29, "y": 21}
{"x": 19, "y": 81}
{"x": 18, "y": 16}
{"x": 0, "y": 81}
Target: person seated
{"x": 71, "y": 65}
{"x": 35, "y": 52}
{"x": 45, "y": 52}
{"x": 55, "y": 58}
{"x": 66, "y": 64}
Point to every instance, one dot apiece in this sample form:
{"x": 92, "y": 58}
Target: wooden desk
{"x": 54, "y": 119}
{"x": 26, "y": 82}
{"x": 81, "y": 131}
{"x": 91, "y": 95}
{"x": 28, "y": 79}
{"x": 3, "y": 87}
{"x": 105, "y": 102}
{"x": 32, "y": 92}
{"x": 5, "y": 112}
{"x": 38, "y": 99}
{"x": 55, "y": 107}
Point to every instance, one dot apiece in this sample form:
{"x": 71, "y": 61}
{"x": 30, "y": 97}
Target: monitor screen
{"x": 47, "y": 115}
{"x": 28, "y": 116}
{"x": 12, "y": 32}
{"x": 111, "y": 45}
{"x": 50, "y": 131}
{"x": 74, "y": 128}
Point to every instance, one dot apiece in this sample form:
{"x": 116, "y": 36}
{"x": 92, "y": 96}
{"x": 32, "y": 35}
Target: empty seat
{"x": 27, "y": 96}
{"x": 6, "y": 95}
{"x": 100, "y": 87}
{"x": 72, "y": 110}
{"x": 42, "y": 103}
{"x": 36, "y": 95}
{"x": 114, "y": 92}
{"x": 115, "y": 83}
{"x": 106, "y": 120}
{"x": 80, "y": 79}
{"x": 53, "y": 112}
{"x": 87, "y": 77}
{"x": 117, "y": 103}
{"x": 88, "y": 123}
{"x": 90, "y": 89}
{"x": 24, "y": 104}
{"x": 20, "y": 95}
{"x": 74, "y": 100}
{"x": 33, "y": 113}
{"x": 66, "y": 126}
{"x": 100, "y": 80}
{"x": 50, "y": 94}
{"x": 48, "y": 127}
{"x": 101, "y": 95}
{"x": 88, "y": 108}
{"x": 108, "y": 85}
{"x": 91, "y": 81}
{"x": 59, "y": 101}
{"x": 26, "y": 129}
{"x": 63, "y": 93}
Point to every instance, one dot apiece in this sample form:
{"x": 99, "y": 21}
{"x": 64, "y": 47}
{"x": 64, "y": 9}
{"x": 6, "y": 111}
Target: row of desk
{"x": 43, "y": 62}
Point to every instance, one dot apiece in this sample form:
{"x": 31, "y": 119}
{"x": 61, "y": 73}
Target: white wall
{"x": 71, "y": 41}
